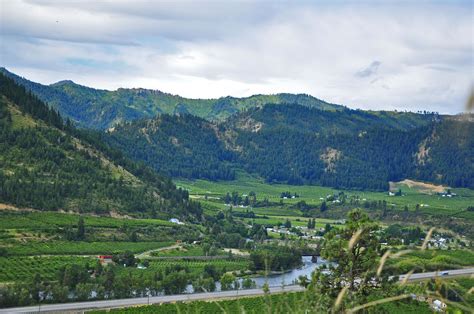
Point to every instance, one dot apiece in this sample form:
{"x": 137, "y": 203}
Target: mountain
{"x": 101, "y": 109}
{"x": 47, "y": 164}
{"x": 295, "y": 139}
{"x": 299, "y": 145}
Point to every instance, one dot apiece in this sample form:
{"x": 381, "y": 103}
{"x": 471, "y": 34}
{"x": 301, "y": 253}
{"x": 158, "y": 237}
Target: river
{"x": 283, "y": 279}
{"x": 290, "y": 277}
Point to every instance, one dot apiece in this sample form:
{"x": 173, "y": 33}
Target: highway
{"x": 90, "y": 305}
{"x": 443, "y": 274}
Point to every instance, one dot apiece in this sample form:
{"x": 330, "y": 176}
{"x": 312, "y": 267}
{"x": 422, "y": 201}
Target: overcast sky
{"x": 371, "y": 56}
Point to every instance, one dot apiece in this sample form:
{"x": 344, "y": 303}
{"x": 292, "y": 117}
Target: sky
{"x": 391, "y": 55}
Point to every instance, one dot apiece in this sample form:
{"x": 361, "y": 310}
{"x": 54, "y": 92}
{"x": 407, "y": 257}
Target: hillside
{"x": 178, "y": 145}
{"x": 298, "y": 145}
{"x": 102, "y": 109}
{"x": 46, "y": 164}
{"x": 295, "y": 139}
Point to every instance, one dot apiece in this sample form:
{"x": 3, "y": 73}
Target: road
{"x": 147, "y": 254}
{"x": 444, "y": 274}
{"x": 81, "y": 306}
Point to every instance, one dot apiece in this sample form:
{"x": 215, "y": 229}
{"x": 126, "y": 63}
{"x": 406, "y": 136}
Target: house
{"x": 105, "y": 259}
{"x": 176, "y": 221}
{"x": 438, "y": 306}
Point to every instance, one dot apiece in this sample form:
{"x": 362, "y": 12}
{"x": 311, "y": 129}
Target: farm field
{"x": 431, "y": 260}
{"x": 81, "y": 247}
{"x": 295, "y": 221}
{"x": 195, "y": 267}
{"x": 432, "y": 204}
{"x": 40, "y": 220}
{"x": 13, "y": 269}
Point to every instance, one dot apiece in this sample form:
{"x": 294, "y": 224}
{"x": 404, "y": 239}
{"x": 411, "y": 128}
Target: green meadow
{"x": 429, "y": 203}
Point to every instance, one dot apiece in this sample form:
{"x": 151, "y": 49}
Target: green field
{"x": 81, "y": 247}
{"x": 13, "y": 269}
{"x": 433, "y": 204}
{"x": 45, "y": 220}
{"x": 295, "y": 221}
{"x": 195, "y": 267}
{"x": 431, "y": 260}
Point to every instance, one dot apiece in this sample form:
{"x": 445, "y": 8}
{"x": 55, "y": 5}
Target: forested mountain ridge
{"x": 47, "y": 164}
{"x": 298, "y": 145}
{"x": 102, "y": 109}
{"x": 294, "y": 139}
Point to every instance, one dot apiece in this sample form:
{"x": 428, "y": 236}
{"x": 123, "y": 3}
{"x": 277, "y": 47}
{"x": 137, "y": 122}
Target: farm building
{"x": 105, "y": 259}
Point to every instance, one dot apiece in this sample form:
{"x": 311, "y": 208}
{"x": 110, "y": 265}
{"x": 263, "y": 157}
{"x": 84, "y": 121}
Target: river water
{"x": 283, "y": 279}
{"x": 289, "y": 278}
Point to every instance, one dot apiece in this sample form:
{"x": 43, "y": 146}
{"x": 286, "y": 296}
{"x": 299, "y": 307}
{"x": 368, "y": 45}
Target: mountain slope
{"x": 48, "y": 165}
{"x": 102, "y": 109}
{"x": 353, "y": 148}
{"x": 294, "y": 144}
{"x": 284, "y": 138}
{"x": 178, "y": 145}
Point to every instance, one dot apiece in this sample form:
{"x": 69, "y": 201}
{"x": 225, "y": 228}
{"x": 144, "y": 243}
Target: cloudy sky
{"x": 394, "y": 55}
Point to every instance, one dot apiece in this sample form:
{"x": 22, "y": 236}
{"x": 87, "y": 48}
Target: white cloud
{"x": 415, "y": 57}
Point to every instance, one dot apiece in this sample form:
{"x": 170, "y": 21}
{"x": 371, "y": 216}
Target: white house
{"x": 438, "y": 306}
{"x": 176, "y": 221}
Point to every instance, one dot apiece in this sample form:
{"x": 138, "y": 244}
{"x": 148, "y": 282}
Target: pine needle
{"x": 382, "y": 262}
{"x": 427, "y": 238}
{"x": 407, "y": 276}
{"x": 339, "y": 298}
{"x": 376, "y": 302}
{"x": 355, "y": 238}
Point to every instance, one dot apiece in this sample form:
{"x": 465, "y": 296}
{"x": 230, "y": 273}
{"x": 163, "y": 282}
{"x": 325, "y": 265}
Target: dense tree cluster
{"x": 95, "y": 282}
{"x": 275, "y": 258}
{"x": 29, "y": 103}
{"x": 180, "y": 146}
{"x": 49, "y": 165}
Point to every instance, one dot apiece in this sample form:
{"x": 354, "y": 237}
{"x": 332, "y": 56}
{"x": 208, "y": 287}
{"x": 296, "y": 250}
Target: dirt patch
{"x": 421, "y": 187}
{"x": 329, "y": 157}
{"x": 115, "y": 214}
{"x": 423, "y": 153}
{"x": 237, "y": 252}
{"x": 11, "y": 207}
{"x": 250, "y": 124}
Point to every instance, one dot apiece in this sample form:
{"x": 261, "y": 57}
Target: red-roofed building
{"x": 105, "y": 259}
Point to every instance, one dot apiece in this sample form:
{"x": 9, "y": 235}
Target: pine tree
{"x": 81, "y": 230}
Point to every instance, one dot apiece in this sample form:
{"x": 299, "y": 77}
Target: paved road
{"x": 81, "y": 306}
{"x": 444, "y": 274}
